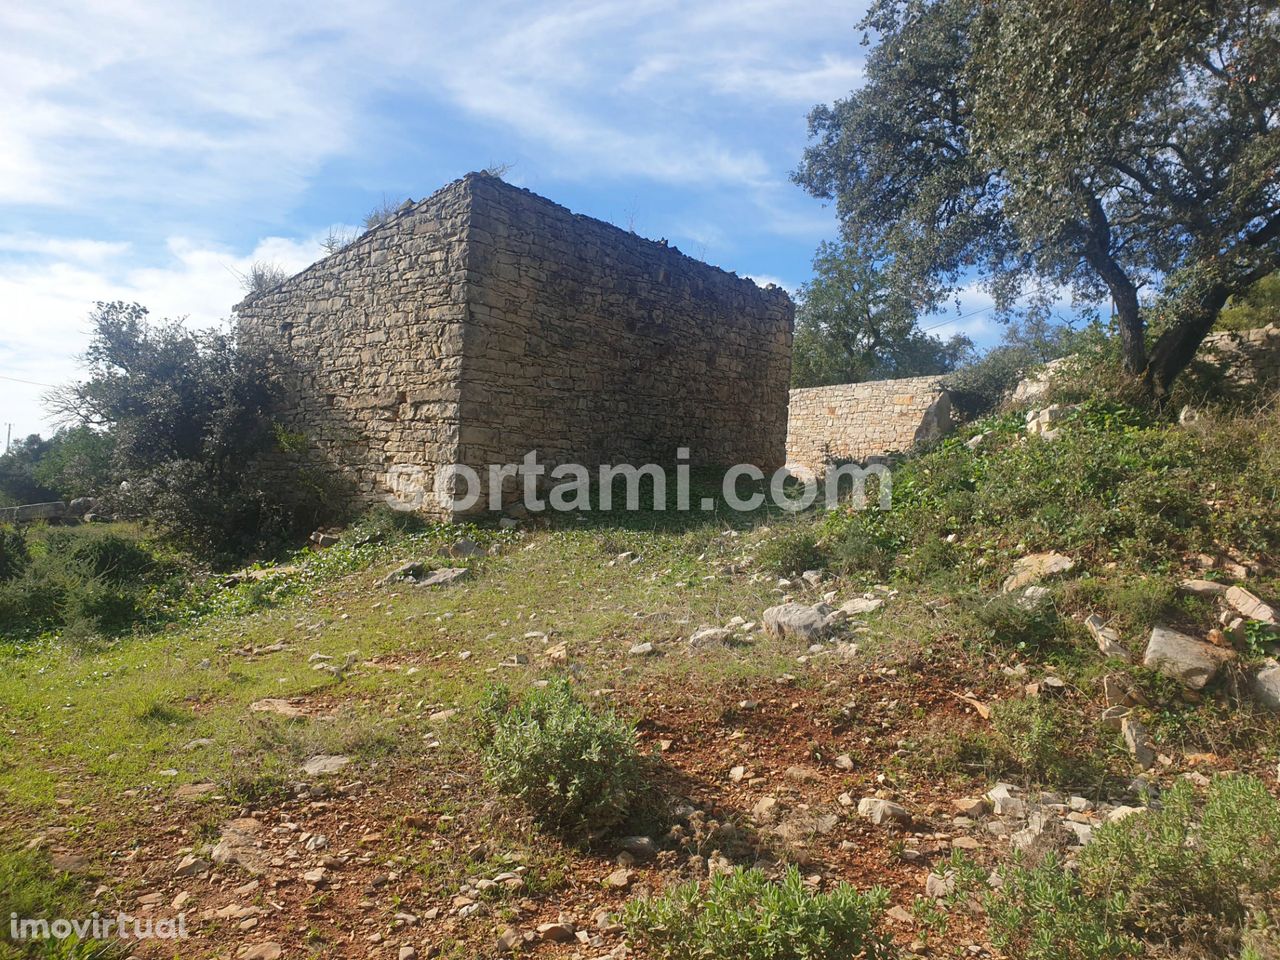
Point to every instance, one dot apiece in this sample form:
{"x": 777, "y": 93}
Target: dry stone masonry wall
{"x": 1246, "y": 358}
{"x": 485, "y": 322}
{"x": 860, "y": 421}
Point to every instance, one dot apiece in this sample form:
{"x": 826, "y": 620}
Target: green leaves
{"x": 746, "y": 916}
{"x": 577, "y": 771}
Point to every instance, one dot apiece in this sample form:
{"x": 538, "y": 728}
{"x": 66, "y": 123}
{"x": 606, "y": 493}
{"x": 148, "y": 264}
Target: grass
{"x": 91, "y": 733}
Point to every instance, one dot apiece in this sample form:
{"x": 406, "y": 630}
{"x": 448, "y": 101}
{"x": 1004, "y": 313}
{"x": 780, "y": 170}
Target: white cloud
{"x": 45, "y": 305}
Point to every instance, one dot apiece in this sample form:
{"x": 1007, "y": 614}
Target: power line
{"x": 33, "y": 383}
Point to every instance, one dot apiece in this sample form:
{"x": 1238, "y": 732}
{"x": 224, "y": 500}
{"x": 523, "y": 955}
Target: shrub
{"x": 1031, "y": 731}
{"x": 14, "y": 555}
{"x": 790, "y": 553}
{"x": 577, "y": 770}
{"x": 1193, "y": 877}
{"x": 745, "y": 916}
{"x": 1187, "y": 878}
{"x": 1040, "y": 913}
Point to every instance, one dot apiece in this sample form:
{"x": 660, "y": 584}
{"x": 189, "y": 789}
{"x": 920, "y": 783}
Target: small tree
{"x": 1118, "y": 151}
{"x": 851, "y": 326}
{"x": 190, "y": 415}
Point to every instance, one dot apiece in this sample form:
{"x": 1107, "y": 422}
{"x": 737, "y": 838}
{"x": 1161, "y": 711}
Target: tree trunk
{"x": 1177, "y": 346}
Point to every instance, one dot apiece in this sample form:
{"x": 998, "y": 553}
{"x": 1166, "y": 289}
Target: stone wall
{"x": 368, "y": 343}
{"x": 858, "y": 421}
{"x": 594, "y": 345}
{"x": 485, "y": 322}
{"x": 1245, "y": 358}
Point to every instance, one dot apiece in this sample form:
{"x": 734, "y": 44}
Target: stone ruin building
{"x": 485, "y": 322}
{"x": 856, "y": 422}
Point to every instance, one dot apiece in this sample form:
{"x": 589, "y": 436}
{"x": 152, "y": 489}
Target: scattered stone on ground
{"x": 1250, "y": 606}
{"x": 1185, "y": 659}
{"x": 1036, "y": 567}
{"x": 798, "y": 621}
{"x": 325, "y": 765}
{"x": 1107, "y": 639}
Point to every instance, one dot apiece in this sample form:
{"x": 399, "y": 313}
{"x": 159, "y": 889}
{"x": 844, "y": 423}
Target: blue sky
{"x": 150, "y": 151}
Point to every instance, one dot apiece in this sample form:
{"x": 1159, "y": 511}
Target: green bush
{"x": 1117, "y": 485}
{"x": 1187, "y": 879}
{"x": 745, "y": 916}
{"x": 1040, "y": 913}
{"x": 14, "y": 555}
{"x": 577, "y": 770}
{"x": 1031, "y": 731}
{"x": 1193, "y": 876}
{"x": 790, "y": 553}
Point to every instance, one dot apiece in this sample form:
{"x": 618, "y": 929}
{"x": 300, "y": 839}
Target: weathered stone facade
{"x": 485, "y": 322}
{"x": 1245, "y": 358}
{"x": 859, "y": 421}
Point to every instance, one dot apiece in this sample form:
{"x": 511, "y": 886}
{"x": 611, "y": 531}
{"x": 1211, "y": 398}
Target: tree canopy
{"x": 850, "y": 327}
{"x": 1125, "y": 151}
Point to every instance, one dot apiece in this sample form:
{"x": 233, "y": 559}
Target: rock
{"x": 275, "y": 705}
{"x": 642, "y": 650}
{"x": 1004, "y": 803}
{"x": 317, "y": 878}
{"x": 1139, "y": 742}
{"x": 464, "y": 549}
{"x": 1184, "y": 658}
{"x": 324, "y": 539}
{"x": 1266, "y": 685}
{"x": 238, "y": 844}
{"x": 445, "y": 577}
{"x": 325, "y": 765}
{"x": 1250, "y": 606}
{"x": 1033, "y": 596}
{"x": 197, "y": 744}
{"x": 619, "y": 879}
{"x": 1112, "y": 717}
{"x": 797, "y": 621}
{"x": 882, "y": 811}
{"x": 860, "y": 606}
{"x": 642, "y": 848}
{"x": 192, "y": 866}
{"x": 556, "y": 932}
{"x": 263, "y": 951}
{"x": 1202, "y": 588}
{"x": 408, "y": 952}
{"x": 937, "y": 886}
{"x": 766, "y": 809}
{"x": 970, "y": 806}
{"x": 63, "y": 861}
{"x": 1108, "y": 640}
{"x": 844, "y": 762}
{"x": 706, "y": 636}
{"x": 195, "y": 791}
{"x": 1040, "y": 423}
{"x": 1034, "y": 568}
{"x": 977, "y": 440}
{"x": 509, "y": 939}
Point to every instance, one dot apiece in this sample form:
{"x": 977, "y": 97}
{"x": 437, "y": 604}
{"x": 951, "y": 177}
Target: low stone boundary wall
{"x": 859, "y": 421}
{"x": 54, "y": 510}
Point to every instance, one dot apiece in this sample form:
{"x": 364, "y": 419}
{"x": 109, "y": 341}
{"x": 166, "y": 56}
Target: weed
{"x": 745, "y": 916}
{"x": 578, "y": 771}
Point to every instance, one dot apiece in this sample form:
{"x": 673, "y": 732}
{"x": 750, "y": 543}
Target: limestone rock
{"x": 1036, "y": 567}
{"x": 708, "y": 636}
{"x": 238, "y": 844}
{"x": 882, "y": 811}
{"x": 1266, "y": 685}
{"x": 797, "y": 621}
{"x": 1203, "y": 588}
{"x": 1250, "y": 606}
{"x": 325, "y": 765}
{"x": 859, "y": 606}
{"x": 1108, "y": 640}
{"x": 1139, "y": 742}
{"x": 1189, "y": 661}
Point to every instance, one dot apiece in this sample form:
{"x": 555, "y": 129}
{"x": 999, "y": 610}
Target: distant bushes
{"x": 1117, "y": 484}
{"x": 746, "y": 916}
{"x": 576, "y": 769}
{"x": 78, "y": 582}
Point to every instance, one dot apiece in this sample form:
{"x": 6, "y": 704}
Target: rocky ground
{"x": 819, "y": 725}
